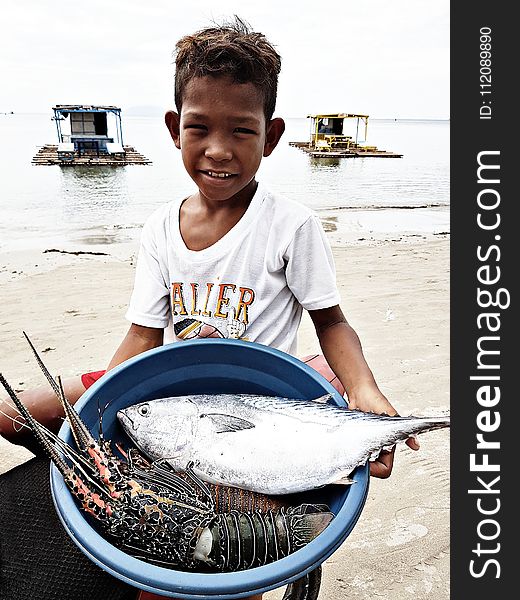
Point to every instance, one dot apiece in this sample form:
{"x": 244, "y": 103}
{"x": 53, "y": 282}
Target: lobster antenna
{"x": 101, "y": 412}
{"x": 197, "y": 480}
{"x": 80, "y": 432}
{"x": 50, "y": 436}
{"x": 44, "y": 369}
{"x": 23, "y": 425}
{"x": 164, "y": 477}
{"x": 77, "y": 426}
{"x": 29, "y": 419}
{"x": 44, "y": 436}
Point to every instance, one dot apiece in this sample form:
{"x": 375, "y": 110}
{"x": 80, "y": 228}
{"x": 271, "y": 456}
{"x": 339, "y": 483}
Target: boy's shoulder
{"x": 163, "y": 213}
{"x": 289, "y": 211}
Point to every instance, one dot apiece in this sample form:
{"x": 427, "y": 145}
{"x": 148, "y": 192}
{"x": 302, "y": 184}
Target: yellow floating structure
{"x": 327, "y": 138}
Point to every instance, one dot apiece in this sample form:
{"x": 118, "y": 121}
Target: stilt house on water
{"x": 327, "y": 138}
{"x": 86, "y": 136}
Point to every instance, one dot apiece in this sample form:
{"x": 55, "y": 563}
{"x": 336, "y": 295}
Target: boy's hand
{"x": 342, "y": 349}
{"x": 369, "y": 400}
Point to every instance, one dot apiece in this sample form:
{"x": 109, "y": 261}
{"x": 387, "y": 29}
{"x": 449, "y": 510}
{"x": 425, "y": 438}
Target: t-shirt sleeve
{"x": 149, "y": 304}
{"x": 310, "y": 271}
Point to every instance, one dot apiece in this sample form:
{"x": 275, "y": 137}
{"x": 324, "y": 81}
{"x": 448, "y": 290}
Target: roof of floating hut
{"x": 338, "y": 121}
{"x": 337, "y": 116}
{"x": 89, "y": 127}
{"x": 84, "y": 108}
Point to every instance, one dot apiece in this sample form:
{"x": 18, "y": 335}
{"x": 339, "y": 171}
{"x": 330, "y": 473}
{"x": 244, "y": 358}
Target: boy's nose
{"x": 218, "y": 149}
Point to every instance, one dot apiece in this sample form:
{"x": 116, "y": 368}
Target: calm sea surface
{"x": 79, "y": 206}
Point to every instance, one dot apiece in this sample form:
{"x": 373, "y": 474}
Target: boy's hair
{"x": 232, "y": 50}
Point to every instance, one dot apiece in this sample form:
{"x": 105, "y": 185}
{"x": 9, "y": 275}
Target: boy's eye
{"x": 195, "y": 126}
{"x": 244, "y": 130}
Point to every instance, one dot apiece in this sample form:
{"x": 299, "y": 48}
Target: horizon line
{"x": 147, "y": 114}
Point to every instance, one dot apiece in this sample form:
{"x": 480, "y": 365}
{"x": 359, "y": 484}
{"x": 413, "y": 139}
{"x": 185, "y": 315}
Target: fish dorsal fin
{"x": 325, "y": 399}
{"x": 224, "y": 423}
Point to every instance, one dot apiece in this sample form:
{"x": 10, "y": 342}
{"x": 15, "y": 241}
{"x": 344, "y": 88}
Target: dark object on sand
{"x": 37, "y": 557}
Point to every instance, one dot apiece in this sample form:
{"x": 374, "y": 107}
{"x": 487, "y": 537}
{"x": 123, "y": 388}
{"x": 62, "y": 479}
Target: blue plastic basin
{"x": 195, "y": 367}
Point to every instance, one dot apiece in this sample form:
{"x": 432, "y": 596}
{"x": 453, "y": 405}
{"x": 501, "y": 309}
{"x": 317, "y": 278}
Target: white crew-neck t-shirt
{"x": 251, "y": 284}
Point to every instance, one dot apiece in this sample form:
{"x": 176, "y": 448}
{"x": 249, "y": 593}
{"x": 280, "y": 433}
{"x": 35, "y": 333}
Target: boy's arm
{"x": 137, "y": 340}
{"x": 342, "y": 350}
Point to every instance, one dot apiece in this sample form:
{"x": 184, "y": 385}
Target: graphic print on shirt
{"x": 222, "y": 310}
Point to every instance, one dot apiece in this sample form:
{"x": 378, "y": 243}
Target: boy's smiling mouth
{"x": 218, "y": 174}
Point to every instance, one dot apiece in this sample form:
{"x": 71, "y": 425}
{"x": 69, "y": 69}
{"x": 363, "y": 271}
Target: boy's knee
{"x": 8, "y": 429}
{"x": 13, "y": 431}
{"x": 43, "y": 406}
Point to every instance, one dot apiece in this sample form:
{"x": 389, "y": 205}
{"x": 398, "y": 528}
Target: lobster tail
{"x": 307, "y": 521}
{"x": 237, "y": 540}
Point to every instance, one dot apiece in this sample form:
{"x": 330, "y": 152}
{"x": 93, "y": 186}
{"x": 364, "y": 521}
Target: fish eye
{"x": 144, "y": 410}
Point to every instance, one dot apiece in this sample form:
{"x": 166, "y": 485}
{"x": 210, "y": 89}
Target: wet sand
{"x": 395, "y": 292}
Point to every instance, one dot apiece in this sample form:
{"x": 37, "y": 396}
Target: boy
{"x": 233, "y": 259}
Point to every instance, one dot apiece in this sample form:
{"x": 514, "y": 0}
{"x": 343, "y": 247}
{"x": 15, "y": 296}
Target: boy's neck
{"x": 239, "y": 201}
{"x": 203, "y": 222}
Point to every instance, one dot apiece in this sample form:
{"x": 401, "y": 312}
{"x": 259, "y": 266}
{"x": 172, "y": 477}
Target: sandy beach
{"x": 395, "y": 292}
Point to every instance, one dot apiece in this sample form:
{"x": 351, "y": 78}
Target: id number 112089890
{"x": 485, "y": 111}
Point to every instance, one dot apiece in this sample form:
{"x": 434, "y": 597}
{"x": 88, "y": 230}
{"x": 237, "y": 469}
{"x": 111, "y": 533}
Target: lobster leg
{"x": 306, "y": 588}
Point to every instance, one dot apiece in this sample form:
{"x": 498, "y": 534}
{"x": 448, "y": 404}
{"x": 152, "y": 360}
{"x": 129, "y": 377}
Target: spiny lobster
{"x": 170, "y": 518}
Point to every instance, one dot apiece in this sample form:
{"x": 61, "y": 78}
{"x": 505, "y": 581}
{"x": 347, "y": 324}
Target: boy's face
{"x": 223, "y": 135}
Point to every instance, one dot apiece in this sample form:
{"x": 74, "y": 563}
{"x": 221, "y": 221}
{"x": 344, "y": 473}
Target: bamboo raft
{"x": 353, "y": 151}
{"x": 328, "y": 139}
{"x": 48, "y": 155}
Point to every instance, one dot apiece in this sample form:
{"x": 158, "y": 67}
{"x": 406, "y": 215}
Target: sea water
{"x": 360, "y": 198}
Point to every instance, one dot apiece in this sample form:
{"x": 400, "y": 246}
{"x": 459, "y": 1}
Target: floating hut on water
{"x": 327, "y": 138}
{"x": 86, "y": 139}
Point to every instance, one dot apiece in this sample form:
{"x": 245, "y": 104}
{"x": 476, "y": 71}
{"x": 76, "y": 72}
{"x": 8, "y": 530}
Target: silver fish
{"x": 265, "y": 444}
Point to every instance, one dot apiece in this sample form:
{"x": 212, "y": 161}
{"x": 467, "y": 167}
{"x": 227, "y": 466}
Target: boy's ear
{"x": 275, "y": 129}
{"x": 173, "y": 122}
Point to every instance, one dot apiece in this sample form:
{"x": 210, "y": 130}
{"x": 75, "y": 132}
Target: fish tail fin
{"x": 391, "y": 430}
{"x": 403, "y": 427}
{"x": 424, "y": 424}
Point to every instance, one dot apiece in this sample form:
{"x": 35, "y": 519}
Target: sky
{"x": 384, "y": 58}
